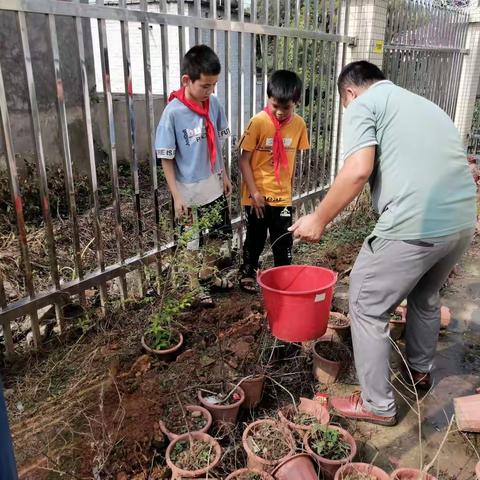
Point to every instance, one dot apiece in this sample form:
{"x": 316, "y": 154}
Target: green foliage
{"x": 328, "y": 443}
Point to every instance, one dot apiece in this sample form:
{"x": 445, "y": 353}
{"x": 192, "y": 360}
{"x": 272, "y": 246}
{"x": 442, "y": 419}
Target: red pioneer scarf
{"x": 280, "y": 158}
{"x": 203, "y": 111}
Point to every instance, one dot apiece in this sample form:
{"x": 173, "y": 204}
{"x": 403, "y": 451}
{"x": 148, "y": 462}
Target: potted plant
{"x": 329, "y": 359}
{"x": 360, "y": 471}
{"x": 338, "y": 326}
{"x": 192, "y": 455}
{"x": 267, "y": 443}
{"x": 301, "y": 419}
{"x": 192, "y": 418}
{"x": 224, "y": 403}
{"x": 161, "y": 338}
{"x": 410, "y": 474}
{"x": 331, "y": 446}
{"x": 249, "y": 474}
{"x": 298, "y": 466}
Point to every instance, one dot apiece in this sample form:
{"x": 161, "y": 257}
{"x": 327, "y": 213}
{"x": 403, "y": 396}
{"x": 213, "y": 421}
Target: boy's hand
{"x": 227, "y": 186}
{"x": 181, "y": 208}
{"x": 308, "y": 228}
{"x": 258, "y": 203}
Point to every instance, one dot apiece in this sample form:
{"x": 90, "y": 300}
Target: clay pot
{"x": 236, "y": 474}
{"x": 410, "y": 474}
{"x": 189, "y": 408}
{"x": 165, "y": 355}
{"x": 298, "y": 467}
{"x": 445, "y": 317}
{"x": 330, "y": 467}
{"x": 253, "y": 460}
{"x": 338, "y": 333}
{"x": 324, "y": 370}
{"x": 178, "y": 473}
{"x": 226, "y": 414}
{"x": 397, "y": 327}
{"x": 253, "y": 388}
{"x": 366, "y": 468}
{"x": 477, "y": 470}
{"x": 312, "y": 407}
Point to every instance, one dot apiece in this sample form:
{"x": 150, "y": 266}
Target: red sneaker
{"x": 352, "y": 407}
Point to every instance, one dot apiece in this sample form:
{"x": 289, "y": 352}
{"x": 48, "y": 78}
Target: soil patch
{"x": 337, "y": 322}
{"x": 248, "y": 476}
{"x": 192, "y": 456}
{"x": 358, "y": 476}
{"x": 176, "y": 422}
{"x": 268, "y": 442}
{"x": 333, "y": 351}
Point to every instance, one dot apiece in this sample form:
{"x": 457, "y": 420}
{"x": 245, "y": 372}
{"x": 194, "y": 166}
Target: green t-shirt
{"x": 421, "y": 184}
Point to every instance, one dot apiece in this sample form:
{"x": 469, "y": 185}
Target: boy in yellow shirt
{"x": 269, "y": 146}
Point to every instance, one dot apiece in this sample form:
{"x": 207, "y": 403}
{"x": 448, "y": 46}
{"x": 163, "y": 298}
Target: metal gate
{"x": 113, "y": 225}
{"x": 424, "y": 48}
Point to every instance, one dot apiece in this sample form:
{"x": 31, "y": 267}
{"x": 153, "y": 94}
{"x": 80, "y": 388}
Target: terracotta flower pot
{"x": 330, "y": 467}
{"x": 253, "y": 388}
{"x": 245, "y": 471}
{"x": 178, "y": 473}
{"x": 410, "y": 474}
{"x": 167, "y": 354}
{"x": 477, "y": 470}
{"x": 324, "y": 370}
{"x": 255, "y": 461}
{"x": 311, "y": 407}
{"x": 366, "y": 468}
{"x": 338, "y": 332}
{"x": 298, "y": 467}
{"x": 397, "y": 327}
{"x": 224, "y": 413}
{"x": 189, "y": 408}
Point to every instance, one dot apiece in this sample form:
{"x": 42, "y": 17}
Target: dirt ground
{"x": 88, "y": 407}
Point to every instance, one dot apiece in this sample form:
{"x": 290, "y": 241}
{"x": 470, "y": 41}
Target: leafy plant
{"x": 328, "y": 442}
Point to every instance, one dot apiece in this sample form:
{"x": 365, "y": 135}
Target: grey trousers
{"x": 385, "y": 273}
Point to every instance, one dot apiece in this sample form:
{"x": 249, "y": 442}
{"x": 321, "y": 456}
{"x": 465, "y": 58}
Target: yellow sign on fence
{"x": 378, "y": 46}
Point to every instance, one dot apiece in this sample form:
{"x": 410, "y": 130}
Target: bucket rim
{"x": 303, "y": 292}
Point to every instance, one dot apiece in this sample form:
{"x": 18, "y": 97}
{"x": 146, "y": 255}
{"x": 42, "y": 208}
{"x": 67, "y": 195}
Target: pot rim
{"x": 191, "y": 408}
{"x": 346, "y": 436}
{"x": 194, "y": 436}
{"x": 323, "y": 359}
{"x": 238, "y": 388}
{"x": 163, "y": 352}
{"x": 427, "y": 475}
{"x": 373, "y": 469}
{"x": 264, "y": 475}
{"x": 275, "y": 423}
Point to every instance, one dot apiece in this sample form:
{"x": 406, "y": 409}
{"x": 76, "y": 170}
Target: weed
{"x": 328, "y": 443}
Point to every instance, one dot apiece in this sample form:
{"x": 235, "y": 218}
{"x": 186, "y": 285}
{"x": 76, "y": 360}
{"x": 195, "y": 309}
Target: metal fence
{"x": 109, "y": 233}
{"x": 473, "y": 145}
{"x": 424, "y": 48}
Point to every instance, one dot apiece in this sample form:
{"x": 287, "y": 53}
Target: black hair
{"x": 200, "y": 59}
{"x": 359, "y": 74}
{"x": 284, "y": 86}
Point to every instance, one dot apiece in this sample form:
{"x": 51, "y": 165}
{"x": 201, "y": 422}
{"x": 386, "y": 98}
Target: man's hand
{"x": 227, "y": 185}
{"x": 308, "y": 228}
{"x": 258, "y": 203}
{"x": 181, "y": 208}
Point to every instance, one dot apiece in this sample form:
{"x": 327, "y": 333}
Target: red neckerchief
{"x": 280, "y": 158}
{"x": 203, "y": 111}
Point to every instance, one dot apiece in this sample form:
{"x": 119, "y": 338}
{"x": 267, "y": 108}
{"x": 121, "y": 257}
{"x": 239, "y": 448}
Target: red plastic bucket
{"x": 297, "y": 299}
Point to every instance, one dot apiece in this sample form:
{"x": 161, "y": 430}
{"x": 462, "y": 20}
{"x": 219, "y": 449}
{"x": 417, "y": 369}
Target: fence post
{"x": 367, "y": 21}
{"x": 469, "y": 80}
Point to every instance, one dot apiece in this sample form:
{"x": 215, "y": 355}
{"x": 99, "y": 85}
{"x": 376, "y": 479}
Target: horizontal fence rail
{"x": 424, "y": 49}
{"x": 100, "y": 219}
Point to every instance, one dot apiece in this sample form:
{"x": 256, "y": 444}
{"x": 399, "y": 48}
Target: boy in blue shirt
{"x": 189, "y": 142}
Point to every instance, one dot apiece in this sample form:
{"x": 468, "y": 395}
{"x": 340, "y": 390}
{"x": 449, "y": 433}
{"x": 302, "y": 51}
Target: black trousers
{"x": 275, "y": 221}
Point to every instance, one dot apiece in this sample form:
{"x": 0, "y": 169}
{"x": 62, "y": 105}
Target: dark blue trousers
{"x": 8, "y": 469}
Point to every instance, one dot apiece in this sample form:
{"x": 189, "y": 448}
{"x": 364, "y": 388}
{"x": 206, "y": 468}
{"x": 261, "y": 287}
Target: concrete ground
{"x": 456, "y": 373}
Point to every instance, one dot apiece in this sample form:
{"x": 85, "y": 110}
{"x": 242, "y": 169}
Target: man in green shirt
{"x": 410, "y": 152}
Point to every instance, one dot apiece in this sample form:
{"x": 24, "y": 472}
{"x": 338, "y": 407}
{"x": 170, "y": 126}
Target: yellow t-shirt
{"x": 258, "y": 138}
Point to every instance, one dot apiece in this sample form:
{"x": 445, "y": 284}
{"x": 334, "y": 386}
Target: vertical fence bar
{"x": 296, "y": 23}
{"x": 197, "y": 5}
{"x": 40, "y": 160}
{"x": 91, "y": 157}
{"x": 67, "y": 158}
{"x": 265, "y": 57}
{"x": 181, "y": 30}
{"x": 213, "y": 16}
{"x": 286, "y": 24}
{"x": 321, "y": 107}
{"x": 276, "y": 53}
{"x": 241, "y": 73}
{"x": 147, "y": 72}
{"x": 253, "y": 61}
{"x": 18, "y": 206}
{"x": 132, "y": 143}
{"x": 165, "y": 57}
{"x": 228, "y": 82}
{"x": 112, "y": 147}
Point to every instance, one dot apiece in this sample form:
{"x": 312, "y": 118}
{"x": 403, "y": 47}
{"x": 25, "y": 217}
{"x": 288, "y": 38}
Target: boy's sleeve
{"x": 249, "y": 140}
{"x": 223, "y": 128}
{"x": 303, "y": 143}
{"x": 165, "y": 142}
{"x": 359, "y": 128}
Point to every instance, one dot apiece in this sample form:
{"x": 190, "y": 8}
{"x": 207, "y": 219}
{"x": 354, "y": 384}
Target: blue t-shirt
{"x": 181, "y": 135}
